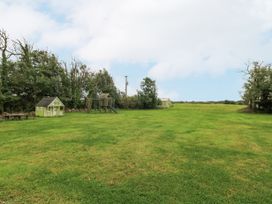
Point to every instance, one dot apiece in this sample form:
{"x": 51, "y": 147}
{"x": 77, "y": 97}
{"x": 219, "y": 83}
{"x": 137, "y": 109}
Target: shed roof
{"x": 165, "y": 99}
{"x": 46, "y": 101}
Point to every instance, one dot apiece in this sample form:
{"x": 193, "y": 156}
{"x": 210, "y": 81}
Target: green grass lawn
{"x": 186, "y": 154}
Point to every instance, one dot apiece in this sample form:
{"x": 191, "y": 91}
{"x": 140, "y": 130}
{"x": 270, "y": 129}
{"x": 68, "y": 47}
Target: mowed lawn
{"x": 186, "y": 154}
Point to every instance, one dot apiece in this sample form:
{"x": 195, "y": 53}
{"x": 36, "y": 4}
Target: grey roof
{"x": 45, "y": 101}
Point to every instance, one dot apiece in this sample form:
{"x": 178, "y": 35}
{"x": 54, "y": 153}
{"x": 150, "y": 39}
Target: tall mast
{"x": 126, "y": 84}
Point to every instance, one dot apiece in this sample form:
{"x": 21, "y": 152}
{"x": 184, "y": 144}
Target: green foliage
{"x": 190, "y": 153}
{"x": 145, "y": 99}
{"x": 79, "y": 77}
{"x": 129, "y": 102}
{"x": 3, "y": 68}
{"x": 102, "y": 82}
{"x": 147, "y": 96}
{"x": 258, "y": 88}
{"x": 33, "y": 74}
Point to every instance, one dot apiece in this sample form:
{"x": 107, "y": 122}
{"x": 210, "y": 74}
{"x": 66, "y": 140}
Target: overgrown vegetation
{"x": 190, "y": 153}
{"x": 258, "y": 88}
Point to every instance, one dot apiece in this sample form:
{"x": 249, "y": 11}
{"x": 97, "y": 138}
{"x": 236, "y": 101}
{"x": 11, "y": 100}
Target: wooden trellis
{"x": 104, "y": 102}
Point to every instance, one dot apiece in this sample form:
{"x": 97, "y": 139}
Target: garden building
{"x": 50, "y": 107}
{"x": 166, "y": 103}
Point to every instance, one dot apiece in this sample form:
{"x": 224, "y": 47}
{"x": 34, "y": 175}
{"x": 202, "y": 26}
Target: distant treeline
{"x": 257, "y": 93}
{"x": 28, "y": 74}
{"x": 214, "y": 102}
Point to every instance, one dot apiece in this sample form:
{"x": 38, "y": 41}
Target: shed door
{"x": 55, "y": 110}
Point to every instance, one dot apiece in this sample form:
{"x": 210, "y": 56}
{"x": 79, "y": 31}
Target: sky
{"x": 194, "y": 49}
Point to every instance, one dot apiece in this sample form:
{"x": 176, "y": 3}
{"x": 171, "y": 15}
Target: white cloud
{"x": 23, "y": 21}
{"x": 180, "y": 37}
{"x": 173, "y": 95}
{"x": 62, "y": 37}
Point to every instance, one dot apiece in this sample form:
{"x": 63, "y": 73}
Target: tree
{"x": 66, "y": 86}
{"x": 80, "y": 77}
{"x": 258, "y": 88}
{"x": 4, "y": 67}
{"x": 35, "y": 73}
{"x": 102, "y": 82}
{"x": 148, "y": 98}
{"x": 105, "y": 83}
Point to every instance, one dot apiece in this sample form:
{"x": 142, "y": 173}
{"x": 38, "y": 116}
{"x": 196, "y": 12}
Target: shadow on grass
{"x": 256, "y": 112}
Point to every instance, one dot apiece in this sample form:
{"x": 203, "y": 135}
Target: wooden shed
{"x": 50, "y": 107}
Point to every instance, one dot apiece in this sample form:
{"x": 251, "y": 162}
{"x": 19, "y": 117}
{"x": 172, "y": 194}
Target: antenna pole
{"x": 126, "y": 85}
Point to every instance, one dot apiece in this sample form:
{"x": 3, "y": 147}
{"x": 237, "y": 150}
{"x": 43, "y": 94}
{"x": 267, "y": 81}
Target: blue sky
{"x": 200, "y": 87}
{"x": 194, "y": 49}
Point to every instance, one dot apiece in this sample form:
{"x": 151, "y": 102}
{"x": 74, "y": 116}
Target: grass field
{"x": 186, "y": 154}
